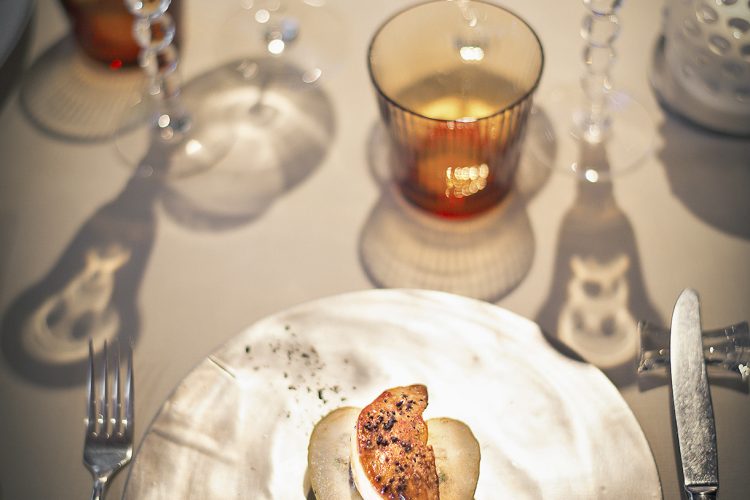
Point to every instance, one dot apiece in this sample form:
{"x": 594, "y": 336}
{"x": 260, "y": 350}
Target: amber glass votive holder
{"x": 454, "y": 82}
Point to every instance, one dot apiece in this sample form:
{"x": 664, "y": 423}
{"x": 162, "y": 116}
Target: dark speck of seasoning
{"x": 247, "y": 349}
{"x": 320, "y": 393}
{"x": 389, "y": 425}
{"x": 286, "y": 327}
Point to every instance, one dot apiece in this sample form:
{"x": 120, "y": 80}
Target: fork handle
{"x": 100, "y": 485}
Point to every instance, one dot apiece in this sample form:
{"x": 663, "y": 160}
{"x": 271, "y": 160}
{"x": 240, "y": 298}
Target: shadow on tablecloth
{"x": 91, "y": 291}
{"x": 709, "y": 173}
{"x": 483, "y": 257}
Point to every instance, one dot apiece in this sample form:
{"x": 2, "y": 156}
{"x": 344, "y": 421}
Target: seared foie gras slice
{"x": 390, "y": 454}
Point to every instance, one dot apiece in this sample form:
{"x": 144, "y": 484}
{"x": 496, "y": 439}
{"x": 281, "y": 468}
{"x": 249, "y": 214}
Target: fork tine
{"x": 116, "y": 395}
{"x": 129, "y": 396}
{"x": 106, "y": 401}
{"x": 91, "y": 402}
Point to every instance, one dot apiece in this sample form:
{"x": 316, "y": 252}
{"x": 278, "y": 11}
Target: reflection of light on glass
{"x": 193, "y": 147}
{"x": 312, "y": 75}
{"x": 468, "y": 13}
{"x": 163, "y": 121}
{"x": 276, "y": 47}
{"x": 463, "y": 108}
{"x": 591, "y": 175}
{"x": 262, "y": 16}
{"x": 465, "y": 181}
{"x": 471, "y": 53}
{"x": 247, "y": 69}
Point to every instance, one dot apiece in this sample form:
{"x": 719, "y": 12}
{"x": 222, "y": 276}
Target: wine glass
{"x": 185, "y": 122}
{"x": 595, "y": 112}
{"x": 305, "y": 34}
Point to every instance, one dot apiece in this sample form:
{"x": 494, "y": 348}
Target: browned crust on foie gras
{"x": 392, "y": 445}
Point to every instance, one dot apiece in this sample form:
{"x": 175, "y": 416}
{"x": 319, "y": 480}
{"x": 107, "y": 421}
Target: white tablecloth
{"x": 683, "y": 222}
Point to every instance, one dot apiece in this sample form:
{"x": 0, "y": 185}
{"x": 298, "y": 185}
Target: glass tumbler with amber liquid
{"x": 454, "y": 82}
{"x": 103, "y": 29}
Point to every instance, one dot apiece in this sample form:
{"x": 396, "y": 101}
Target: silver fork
{"x": 109, "y": 421}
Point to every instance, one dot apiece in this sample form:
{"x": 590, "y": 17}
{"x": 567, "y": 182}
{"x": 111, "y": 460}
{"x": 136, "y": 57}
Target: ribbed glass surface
{"x": 454, "y": 82}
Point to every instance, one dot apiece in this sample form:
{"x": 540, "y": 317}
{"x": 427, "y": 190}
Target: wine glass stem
{"x": 599, "y": 32}
{"x": 159, "y": 59}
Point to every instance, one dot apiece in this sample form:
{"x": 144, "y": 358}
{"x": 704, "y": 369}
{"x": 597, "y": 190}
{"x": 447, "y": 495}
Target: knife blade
{"x": 693, "y": 411}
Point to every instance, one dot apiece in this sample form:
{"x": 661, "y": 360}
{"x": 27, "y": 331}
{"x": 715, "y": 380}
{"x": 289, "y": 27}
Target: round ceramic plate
{"x": 548, "y": 426}
{"x": 14, "y": 15}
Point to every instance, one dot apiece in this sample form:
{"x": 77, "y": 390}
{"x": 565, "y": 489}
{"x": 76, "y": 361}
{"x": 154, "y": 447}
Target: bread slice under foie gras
{"x": 455, "y": 448}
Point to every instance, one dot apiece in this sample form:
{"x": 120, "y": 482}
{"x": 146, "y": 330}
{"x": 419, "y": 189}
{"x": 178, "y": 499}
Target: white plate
{"x": 548, "y": 427}
{"x": 14, "y": 15}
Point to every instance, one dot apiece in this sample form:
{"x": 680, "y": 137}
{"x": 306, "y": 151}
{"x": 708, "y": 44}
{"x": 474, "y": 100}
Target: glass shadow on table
{"x": 91, "y": 290}
{"x": 598, "y": 294}
{"x": 709, "y": 173}
{"x": 483, "y": 257}
{"x": 70, "y": 97}
{"x": 283, "y": 133}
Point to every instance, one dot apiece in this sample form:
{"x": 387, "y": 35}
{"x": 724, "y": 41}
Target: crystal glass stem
{"x": 599, "y": 31}
{"x": 154, "y": 32}
{"x": 726, "y": 350}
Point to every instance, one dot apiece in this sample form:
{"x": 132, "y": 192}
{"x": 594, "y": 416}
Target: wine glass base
{"x": 627, "y": 141}
{"x": 306, "y": 34}
{"x": 177, "y": 142}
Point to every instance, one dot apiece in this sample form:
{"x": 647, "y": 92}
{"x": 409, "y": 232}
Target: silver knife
{"x": 694, "y": 416}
